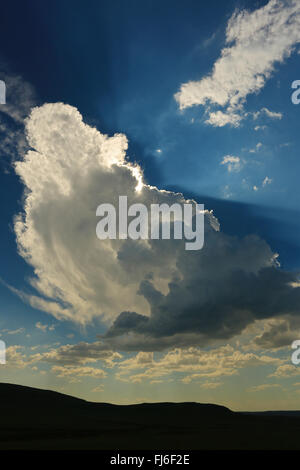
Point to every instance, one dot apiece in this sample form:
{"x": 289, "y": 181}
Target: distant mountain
{"x": 274, "y": 413}
{"x": 42, "y": 419}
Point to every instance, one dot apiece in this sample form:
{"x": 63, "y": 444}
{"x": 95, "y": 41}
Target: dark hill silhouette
{"x": 43, "y": 419}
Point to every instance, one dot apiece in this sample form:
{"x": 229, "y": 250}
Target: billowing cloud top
{"x": 151, "y": 293}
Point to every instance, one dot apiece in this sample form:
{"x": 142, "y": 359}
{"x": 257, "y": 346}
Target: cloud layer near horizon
{"x": 152, "y": 294}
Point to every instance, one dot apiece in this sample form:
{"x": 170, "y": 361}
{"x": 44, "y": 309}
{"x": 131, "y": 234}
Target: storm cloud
{"x": 151, "y": 294}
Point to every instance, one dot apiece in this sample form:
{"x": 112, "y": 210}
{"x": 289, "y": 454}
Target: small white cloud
{"x": 272, "y": 114}
{"x": 220, "y": 119}
{"x": 44, "y": 328}
{"x": 268, "y": 113}
{"x": 260, "y": 128}
{"x": 256, "y": 149}
{"x": 266, "y": 181}
{"x": 41, "y": 327}
{"x": 233, "y": 163}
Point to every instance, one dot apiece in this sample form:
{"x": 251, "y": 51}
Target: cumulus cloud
{"x": 192, "y": 364}
{"x": 15, "y": 358}
{"x": 220, "y": 119}
{"x": 285, "y": 371}
{"x": 152, "y": 294}
{"x": 72, "y": 169}
{"x": 186, "y": 365}
{"x": 73, "y": 372}
{"x": 255, "y": 42}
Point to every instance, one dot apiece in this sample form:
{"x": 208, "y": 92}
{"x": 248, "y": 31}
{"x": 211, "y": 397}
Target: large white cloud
{"x": 70, "y": 171}
{"x": 153, "y": 293}
{"x": 255, "y": 42}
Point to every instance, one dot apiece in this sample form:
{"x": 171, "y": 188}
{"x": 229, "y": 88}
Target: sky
{"x": 194, "y": 100}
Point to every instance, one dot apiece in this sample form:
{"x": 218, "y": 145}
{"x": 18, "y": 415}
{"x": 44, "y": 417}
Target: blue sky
{"x": 121, "y": 64}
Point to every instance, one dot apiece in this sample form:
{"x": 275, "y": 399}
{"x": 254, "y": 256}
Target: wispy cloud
{"x": 20, "y": 98}
{"x": 263, "y": 387}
